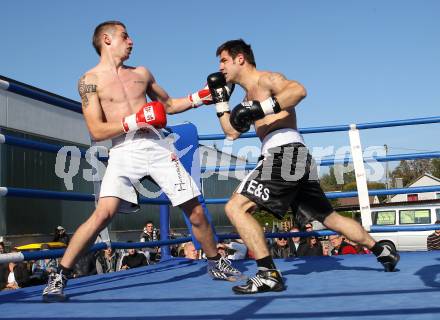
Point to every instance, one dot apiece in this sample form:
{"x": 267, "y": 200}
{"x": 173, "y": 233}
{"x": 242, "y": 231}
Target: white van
{"x": 405, "y": 214}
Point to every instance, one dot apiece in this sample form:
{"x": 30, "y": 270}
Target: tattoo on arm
{"x": 275, "y": 77}
{"x": 84, "y": 90}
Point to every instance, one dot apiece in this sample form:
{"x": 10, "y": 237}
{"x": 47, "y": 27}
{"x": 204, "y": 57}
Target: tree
{"x": 352, "y": 186}
{"x": 410, "y": 170}
{"x": 435, "y": 167}
{"x": 337, "y": 178}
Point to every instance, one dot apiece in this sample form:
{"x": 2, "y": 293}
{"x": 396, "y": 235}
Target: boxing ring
{"x": 348, "y": 287}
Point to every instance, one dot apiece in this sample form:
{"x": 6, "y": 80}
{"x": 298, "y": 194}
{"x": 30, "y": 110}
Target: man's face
{"x": 228, "y": 66}
{"x": 149, "y": 227}
{"x": 131, "y": 251}
{"x": 190, "y": 252}
{"x": 295, "y": 239}
{"x": 335, "y": 241}
{"x": 121, "y": 42}
{"x": 309, "y": 227}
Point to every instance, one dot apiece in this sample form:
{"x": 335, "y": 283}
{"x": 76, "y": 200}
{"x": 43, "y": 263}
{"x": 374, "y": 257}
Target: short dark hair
{"x": 100, "y": 29}
{"x": 437, "y": 222}
{"x": 234, "y": 47}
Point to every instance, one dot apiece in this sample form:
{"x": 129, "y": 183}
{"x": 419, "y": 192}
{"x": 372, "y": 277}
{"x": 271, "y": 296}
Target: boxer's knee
{"x": 237, "y": 205}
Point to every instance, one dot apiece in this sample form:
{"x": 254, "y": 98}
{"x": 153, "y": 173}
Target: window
{"x": 437, "y": 213}
{"x": 418, "y": 216}
{"x": 383, "y": 217}
{"x": 437, "y": 195}
{"x": 412, "y": 197}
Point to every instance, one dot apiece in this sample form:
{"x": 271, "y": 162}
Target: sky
{"x": 360, "y": 61}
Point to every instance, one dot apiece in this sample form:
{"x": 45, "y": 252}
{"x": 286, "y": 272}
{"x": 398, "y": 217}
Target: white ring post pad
{"x": 361, "y": 179}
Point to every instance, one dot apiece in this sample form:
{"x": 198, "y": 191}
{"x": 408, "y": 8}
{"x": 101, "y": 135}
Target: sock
{"x": 265, "y": 263}
{"x": 217, "y": 257}
{"x": 67, "y": 272}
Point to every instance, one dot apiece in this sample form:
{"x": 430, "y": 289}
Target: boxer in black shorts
{"x": 286, "y": 175}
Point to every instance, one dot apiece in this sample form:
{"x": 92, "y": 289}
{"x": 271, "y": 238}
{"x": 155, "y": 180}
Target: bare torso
{"x": 283, "y": 119}
{"x": 121, "y": 93}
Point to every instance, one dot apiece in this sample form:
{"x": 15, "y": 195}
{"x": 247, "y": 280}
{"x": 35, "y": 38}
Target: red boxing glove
{"x": 201, "y": 97}
{"x": 151, "y": 114}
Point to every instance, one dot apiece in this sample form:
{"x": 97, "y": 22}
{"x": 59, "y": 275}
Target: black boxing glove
{"x": 258, "y": 110}
{"x": 220, "y": 91}
{"x": 249, "y": 111}
{"x": 240, "y": 118}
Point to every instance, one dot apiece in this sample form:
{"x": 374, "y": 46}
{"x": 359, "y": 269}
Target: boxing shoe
{"x": 265, "y": 280}
{"x": 388, "y": 258}
{"x": 54, "y": 291}
{"x": 222, "y": 269}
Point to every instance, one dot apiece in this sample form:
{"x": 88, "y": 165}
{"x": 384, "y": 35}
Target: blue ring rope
{"x": 56, "y": 253}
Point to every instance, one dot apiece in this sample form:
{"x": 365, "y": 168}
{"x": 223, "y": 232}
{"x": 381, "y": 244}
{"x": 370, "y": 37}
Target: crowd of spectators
{"x": 15, "y": 275}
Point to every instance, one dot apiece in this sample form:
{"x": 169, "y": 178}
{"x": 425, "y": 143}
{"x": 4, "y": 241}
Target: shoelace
{"x": 225, "y": 265}
{"x": 55, "y": 282}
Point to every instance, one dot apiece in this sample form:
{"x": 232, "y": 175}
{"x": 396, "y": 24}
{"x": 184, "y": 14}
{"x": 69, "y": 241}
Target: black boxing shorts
{"x": 284, "y": 177}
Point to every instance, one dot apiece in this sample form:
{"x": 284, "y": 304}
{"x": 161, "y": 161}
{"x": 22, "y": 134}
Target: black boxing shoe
{"x": 264, "y": 281}
{"x": 388, "y": 258}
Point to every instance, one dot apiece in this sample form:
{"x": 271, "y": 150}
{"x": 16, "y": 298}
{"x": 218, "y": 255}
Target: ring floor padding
{"x": 339, "y": 287}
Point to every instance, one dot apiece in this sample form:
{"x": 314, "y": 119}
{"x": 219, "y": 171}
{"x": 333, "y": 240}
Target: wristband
{"x": 222, "y": 107}
{"x": 196, "y": 101}
{"x": 220, "y": 114}
{"x": 270, "y": 105}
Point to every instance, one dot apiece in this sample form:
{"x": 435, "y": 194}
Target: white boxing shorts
{"x": 145, "y": 153}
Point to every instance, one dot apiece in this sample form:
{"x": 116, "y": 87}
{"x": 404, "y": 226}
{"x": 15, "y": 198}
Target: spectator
{"x": 280, "y": 249}
{"x": 86, "y": 265}
{"x": 325, "y": 249}
{"x": 222, "y": 250}
{"x": 18, "y": 275}
{"x": 190, "y": 251}
{"x": 312, "y": 247}
{"x": 61, "y": 235}
{"x": 294, "y": 243}
{"x": 2, "y": 245}
{"x": 340, "y": 246}
{"x": 3, "y": 275}
{"x": 235, "y": 250}
{"x": 433, "y": 240}
{"x": 308, "y": 227}
{"x": 359, "y": 249}
{"x": 42, "y": 268}
{"x": 133, "y": 259}
{"x": 150, "y": 233}
{"x": 108, "y": 261}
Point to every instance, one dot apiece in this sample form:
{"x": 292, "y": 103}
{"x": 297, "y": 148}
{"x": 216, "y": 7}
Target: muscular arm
{"x": 287, "y": 92}
{"x": 157, "y": 93}
{"x": 229, "y": 131}
{"x": 99, "y": 129}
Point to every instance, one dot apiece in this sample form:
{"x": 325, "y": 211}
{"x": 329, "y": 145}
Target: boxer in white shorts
{"x": 111, "y": 92}
{"x": 145, "y": 154}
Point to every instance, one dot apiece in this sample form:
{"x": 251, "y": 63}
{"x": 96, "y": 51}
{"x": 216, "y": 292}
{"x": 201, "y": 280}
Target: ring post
{"x": 164, "y": 231}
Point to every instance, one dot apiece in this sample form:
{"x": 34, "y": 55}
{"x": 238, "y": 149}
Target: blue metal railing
{"x": 77, "y": 196}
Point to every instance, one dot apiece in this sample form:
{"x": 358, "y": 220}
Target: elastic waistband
{"x": 281, "y": 137}
{"x": 139, "y": 135}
